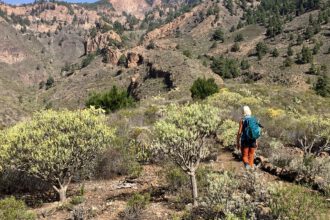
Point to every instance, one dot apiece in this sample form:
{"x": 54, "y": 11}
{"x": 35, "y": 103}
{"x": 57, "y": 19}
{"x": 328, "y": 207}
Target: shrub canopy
{"x": 110, "y": 101}
{"x": 203, "y": 88}
{"x": 53, "y": 146}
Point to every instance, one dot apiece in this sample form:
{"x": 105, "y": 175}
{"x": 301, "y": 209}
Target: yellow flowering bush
{"x": 275, "y": 113}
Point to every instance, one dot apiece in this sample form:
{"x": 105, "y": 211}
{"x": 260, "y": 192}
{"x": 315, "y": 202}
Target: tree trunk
{"x": 61, "y": 192}
{"x": 194, "y": 188}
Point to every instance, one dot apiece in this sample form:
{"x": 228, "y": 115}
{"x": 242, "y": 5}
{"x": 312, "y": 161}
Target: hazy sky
{"x": 29, "y": 1}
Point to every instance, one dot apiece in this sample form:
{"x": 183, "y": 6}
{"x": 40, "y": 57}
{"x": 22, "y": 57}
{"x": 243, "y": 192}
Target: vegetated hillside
{"x": 143, "y": 158}
{"x": 88, "y": 47}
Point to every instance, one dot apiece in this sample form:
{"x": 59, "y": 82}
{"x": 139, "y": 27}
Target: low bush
{"x": 245, "y": 64}
{"x": 110, "y": 101}
{"x": 227, "y": 134}
{"x": 76, "y": 200}
{"x": 87, "y": 60}
{"x": 239, "y": 37}
{"x": 12, "y": 209}
{"x": 275, "y": 52}
{"x": 187, "y": 53}
{"x": 175, "y": 178}
{"x": 203, "y": 88}
{"x": 236, "y": 197}
{"x": 135, "y": 205}
{"x": 49, "y": 83}
{"x": 141, "y": 144}
{"x": 117, "y": 161}
{"x": 236, "y": 47}
{"x": 219, "y": 35}
{"x": 178, "y": 183}
{"x": 295, "y": 202}
{"x": 122, "y": 61}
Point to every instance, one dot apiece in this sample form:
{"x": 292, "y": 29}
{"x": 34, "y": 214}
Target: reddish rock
{"x": 100, "y": 41}
{"x": 113, "y": 56}
{"x": 134, "y": 60}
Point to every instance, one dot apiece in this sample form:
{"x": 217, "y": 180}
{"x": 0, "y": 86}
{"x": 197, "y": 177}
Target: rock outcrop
{"x": 100, "y": 41}
{"x": 138, "y": 8}
{"x": 112, "y": 55}
{"x": 134, "y": 60}
{"x": 11, "y": 55}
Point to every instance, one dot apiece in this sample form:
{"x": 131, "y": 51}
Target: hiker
{"x": 248, "y": 133}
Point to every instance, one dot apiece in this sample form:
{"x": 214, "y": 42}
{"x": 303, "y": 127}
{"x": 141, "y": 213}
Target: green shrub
{"x": 76, "y": 200}
{"x": 117, "y": 161}
{"x": 175, "y": 178}
{"x": 110, "y": 101}
{"x": 236, "y": 47}
{"x": 322, "y": 86}
{"x": 12, "y": 209}
{"x": 140, "y": 143}
{"x": 300, "y": 40}
{"x": 187, "y": 53}
{"x": 203, "y": 88}
{"x": 227, "y": 133}
{"x": 261, "y": 49}
{"x": 290, "y": 51}
{"x": 54, "y": 146}
{"x": 181, "y": 134}
{"x": 225, "y": 67}
{"x": 314, "y": 70}
{"x": 49, "y": 83}
{"x": 135, "y": 205}
{"x": 287, "y": 62}
{"x": 275, "y": 53}
{"x": 235, "y": 197}
{"x": 245, "y": 64}
{"x": 151, "y": 45}
{"x": 122, "y": 61}
{"x": 305, "y": 56}
{"x": 239, "y": 37}
{"x": 219, "y": 35}
{"x": 87, "y": 60}
{"x": 295, "y": 202}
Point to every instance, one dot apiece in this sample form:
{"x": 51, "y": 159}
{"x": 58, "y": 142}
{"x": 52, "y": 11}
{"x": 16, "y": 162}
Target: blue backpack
{"x": 253, "y": 128}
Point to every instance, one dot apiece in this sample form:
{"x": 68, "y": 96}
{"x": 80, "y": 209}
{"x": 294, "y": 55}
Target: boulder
{"x": 134, "y": 60}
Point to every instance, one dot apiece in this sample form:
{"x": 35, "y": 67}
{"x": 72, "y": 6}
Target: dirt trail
{"x": 107, "y": 200}
{"x": 226, "y": 161}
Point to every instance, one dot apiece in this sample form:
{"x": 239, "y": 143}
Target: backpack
{"x": 253, "y": 128}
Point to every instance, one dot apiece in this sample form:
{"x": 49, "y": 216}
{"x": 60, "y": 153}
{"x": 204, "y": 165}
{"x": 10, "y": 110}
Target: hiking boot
{"x": 247, "y": 166}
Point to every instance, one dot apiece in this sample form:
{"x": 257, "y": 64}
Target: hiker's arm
{"x": 239, "y": 133}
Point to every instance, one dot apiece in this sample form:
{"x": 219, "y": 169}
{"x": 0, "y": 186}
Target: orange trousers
{"x": 248, "y": 155}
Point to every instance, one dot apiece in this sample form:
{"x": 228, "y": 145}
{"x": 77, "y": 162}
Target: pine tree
{"x": 275, "y": 53}
{"x": 261, "y": 49}
{"x": 322, "y": 86}
{"x": 306, "y": 56}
